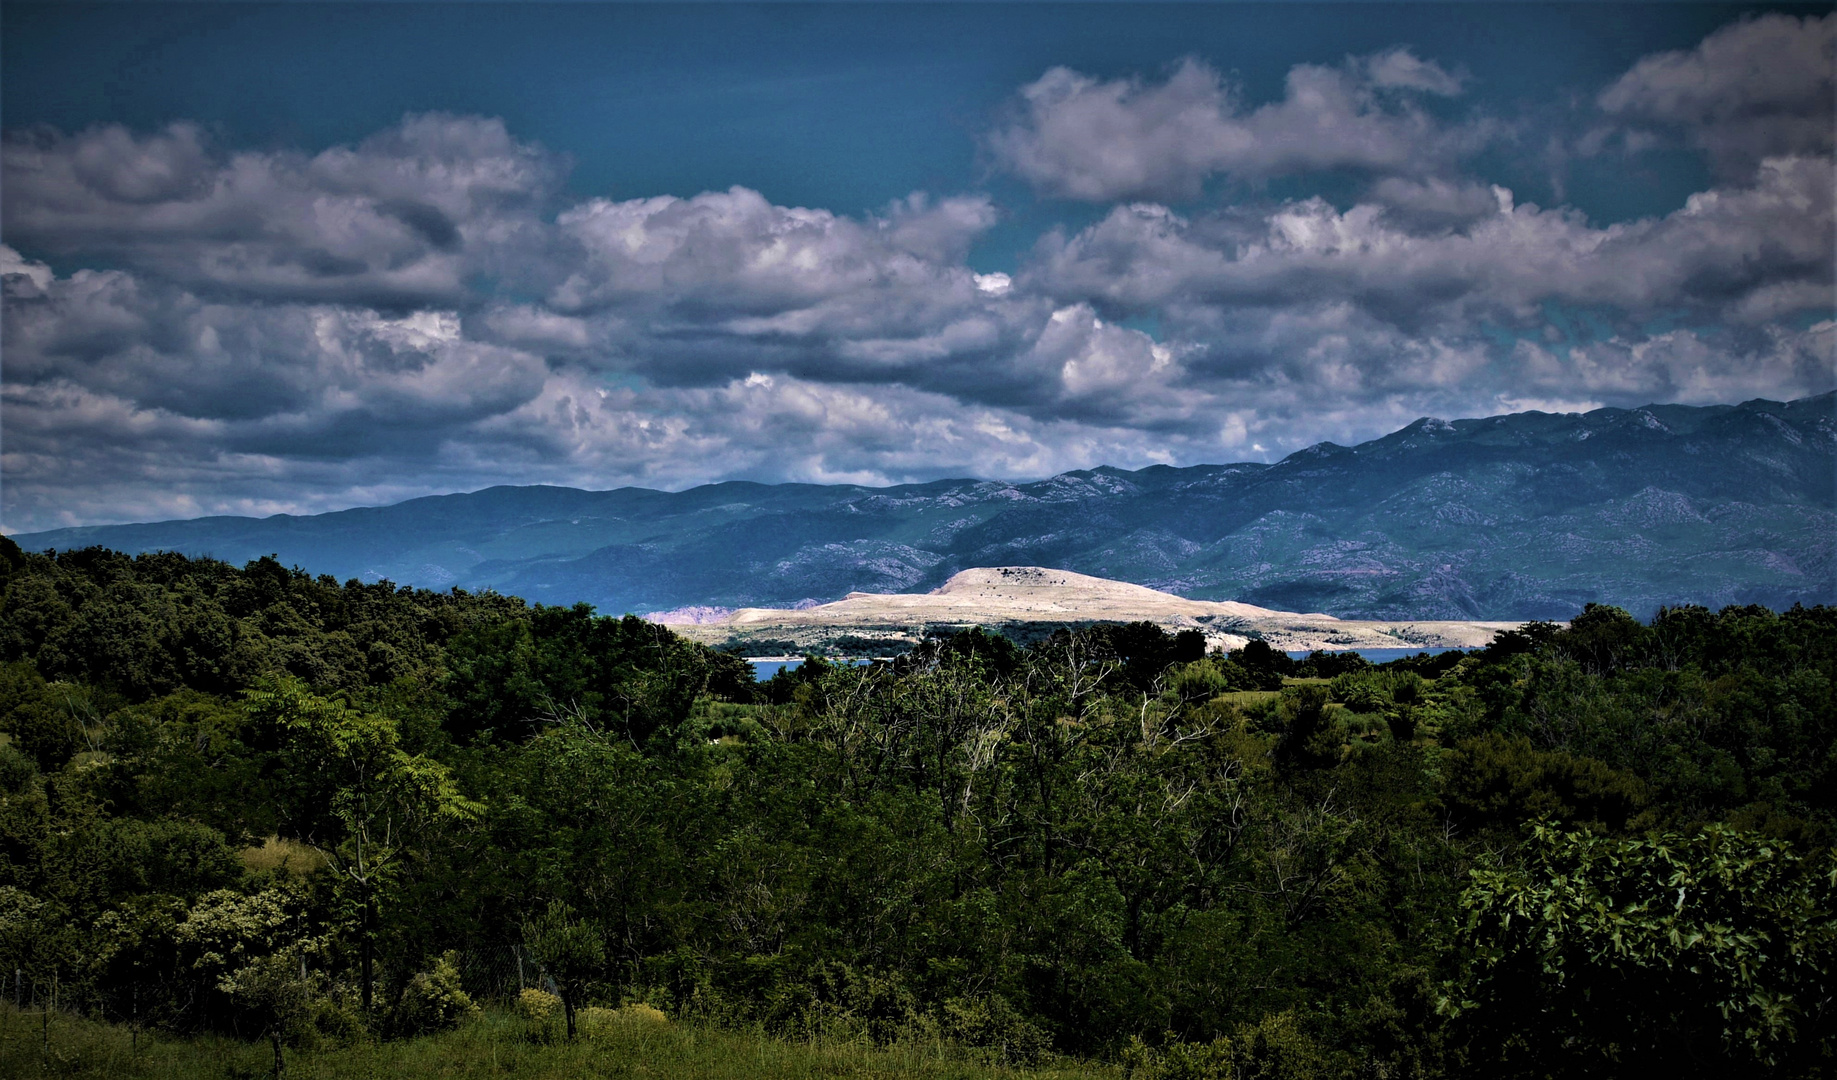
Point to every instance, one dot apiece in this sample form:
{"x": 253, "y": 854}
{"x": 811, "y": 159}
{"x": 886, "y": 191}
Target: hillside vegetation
{"x": 269, "y": 818}
{"x": 1525, "y": 516}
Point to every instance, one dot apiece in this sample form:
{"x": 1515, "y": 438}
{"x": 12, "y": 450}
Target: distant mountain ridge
{"x": 1527, "y": 515}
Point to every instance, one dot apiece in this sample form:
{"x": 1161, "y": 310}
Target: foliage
{"x": 252, "y": 803}
{"x": 570, "y": 951}
{"x": 1273, "y": 1048}
{"x": 433, "y": 1001}
{"x": 1678, "y": 952}
{"x": 494, "y": 1046}
{"x": 537, "y": 1009}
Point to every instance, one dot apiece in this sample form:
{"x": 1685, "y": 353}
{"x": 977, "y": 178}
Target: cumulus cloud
{"x": 298, "y": 378}
{"x": 1305, "y": 311}
{"x": 400, "y": 219}
{"x": 1756, "y": 89}
{"x": 1686, "y": 366}
{"x": 1084, "y": 138}
{"x": 130, "y": 397}
{"x": 232, "y": 331}
{"x": 698, "y": 291}
{"x": 1716, "y": 254}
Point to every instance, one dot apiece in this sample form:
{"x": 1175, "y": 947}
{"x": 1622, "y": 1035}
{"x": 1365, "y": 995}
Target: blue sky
{"x": 842, "y": 106}
{"x": 301, "y": 256}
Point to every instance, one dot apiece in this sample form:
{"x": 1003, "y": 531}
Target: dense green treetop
{"x": 253, "y": 800}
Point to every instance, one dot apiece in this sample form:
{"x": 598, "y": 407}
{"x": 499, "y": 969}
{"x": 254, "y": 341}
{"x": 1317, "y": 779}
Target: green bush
{"x": 991, "y": 1022}
{"x": 540, "y": 1012}
{"x": 433, "y": 1000}
{"x": 1360, "y": 692}
{"x": 1274, "y": 1048}
{"x": 16, "y": 769}
{"x": 1708, "y": 953}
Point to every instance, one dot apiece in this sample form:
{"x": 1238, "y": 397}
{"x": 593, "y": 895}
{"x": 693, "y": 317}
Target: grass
{"x": 491, "y": 1046}
{"x": 1244, "y": 699}
{"x": 291, "y": 856}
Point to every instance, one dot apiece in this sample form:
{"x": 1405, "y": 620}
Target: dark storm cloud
{"x": 1757, "y": 89}
{"x": 401, "y": 219}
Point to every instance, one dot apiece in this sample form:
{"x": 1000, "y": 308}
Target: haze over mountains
{"x": 1528, "y": 515}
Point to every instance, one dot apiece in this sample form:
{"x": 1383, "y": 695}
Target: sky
{"x": 298, "y": 257}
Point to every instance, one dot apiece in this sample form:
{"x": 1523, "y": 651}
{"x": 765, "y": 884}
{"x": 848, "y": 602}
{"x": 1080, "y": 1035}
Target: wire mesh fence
{"x": 488, "y": 974}
{"x": 40, "y": 990}
{"x": 500, "y": 973}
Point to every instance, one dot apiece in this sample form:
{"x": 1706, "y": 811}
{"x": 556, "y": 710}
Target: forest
{"x": 252, "y": 804}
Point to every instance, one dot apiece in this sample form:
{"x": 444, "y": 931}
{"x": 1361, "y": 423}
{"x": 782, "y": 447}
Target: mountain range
{"x": 1522, "y": 516}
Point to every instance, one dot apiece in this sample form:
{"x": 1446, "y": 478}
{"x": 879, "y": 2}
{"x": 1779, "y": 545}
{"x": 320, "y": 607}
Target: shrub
{"x": 1710, "y": 953}
{"x": 433, "y": 1001}
{"x": 991, "y": 1022}
{"x": 1198, "y": 681}
{"x": 595, "y": 1021}
{"x": 538, "y": 1008}
{"x": 1274, "y": 1048}
{"x": 1359, "y": 692}
{"x": 1308, "y": 738}
{"x": 1498, "y": 781}
{"x": 16, "y": 769}
{"x": 41, "y": 723}
{"x": 1406, "y": 687}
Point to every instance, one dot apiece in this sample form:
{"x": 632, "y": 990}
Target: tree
{"x": 356, "y": 795}
{"x": 571, "y": 950}
{"x": 1681, "y": 955}
{"x": 248, "y": 953}
{"x": 273, "y": 992}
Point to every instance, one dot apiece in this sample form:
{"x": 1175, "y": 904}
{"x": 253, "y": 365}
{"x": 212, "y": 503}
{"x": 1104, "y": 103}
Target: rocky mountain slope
{"x": 1528, "y": 515}
{"x": 1023, "y": 597}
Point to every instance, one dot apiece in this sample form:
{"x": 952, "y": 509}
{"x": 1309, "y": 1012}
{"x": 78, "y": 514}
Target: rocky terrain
{"x": 1020, "y": 598}
{"x": 1529, "y": 515}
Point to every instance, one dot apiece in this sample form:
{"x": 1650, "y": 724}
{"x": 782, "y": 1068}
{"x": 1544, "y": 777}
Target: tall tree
{"x": 356, "y": 795}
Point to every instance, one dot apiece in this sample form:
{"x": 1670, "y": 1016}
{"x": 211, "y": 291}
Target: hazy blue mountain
{"x": 1521, "y": 516}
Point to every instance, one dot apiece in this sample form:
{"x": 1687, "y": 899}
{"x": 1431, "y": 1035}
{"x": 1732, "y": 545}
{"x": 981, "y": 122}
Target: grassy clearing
{"x": 491, "y": 1046}
{"x": 1244, "y": 699}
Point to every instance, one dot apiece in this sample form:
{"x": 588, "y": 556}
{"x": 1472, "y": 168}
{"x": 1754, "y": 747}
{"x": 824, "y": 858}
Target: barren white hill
{"x": 1011, "y": 595}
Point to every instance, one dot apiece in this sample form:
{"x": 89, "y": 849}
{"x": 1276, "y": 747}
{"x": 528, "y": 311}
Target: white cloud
{"x": 131, "y": 398}
{"x": 426, "y": 311}
{"x": 1401, "y": 69}
{"x": 1684, "y": 366}
{"x": 1084, "y": 138}
{"x": 1718, "y": 251}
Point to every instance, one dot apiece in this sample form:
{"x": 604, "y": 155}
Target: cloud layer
{"x": 242, "y": 331}
{"x": 1084, "y": 138}
{"x": 1755, "y": 89}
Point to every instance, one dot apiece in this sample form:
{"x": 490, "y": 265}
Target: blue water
{"x": 765, "y": 669}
